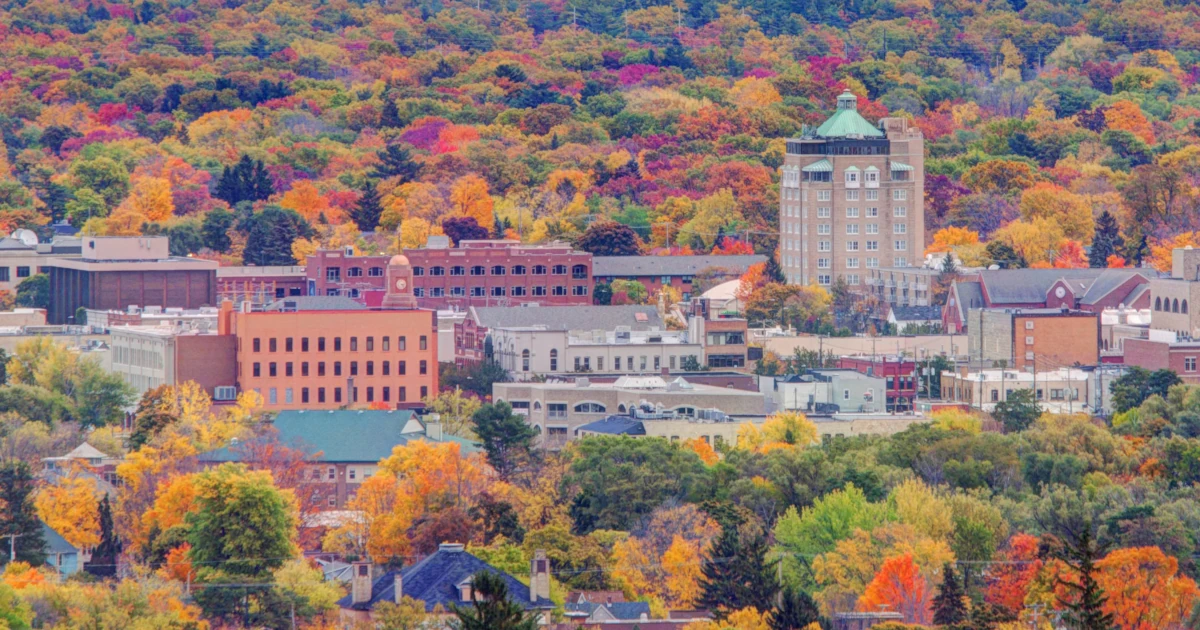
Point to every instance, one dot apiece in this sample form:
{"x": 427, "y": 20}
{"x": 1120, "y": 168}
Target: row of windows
{"x": 22, "y": 272}
{"x": 1170, "y": 306}
{"x": 334, "y": 274}
{"x": 584, "y": 364}
{"x": 852, "y": 246}
{"x": 578, "y": 271}
{"x": 385, "y": 368}
{"x": 498, "y": 291}
{"x": 335, "y": 394}
{"x": 384, "y": 342}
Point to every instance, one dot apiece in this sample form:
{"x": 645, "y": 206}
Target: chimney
{"x": 433, "y": 427}
{"x": 360, "y": 583}
{"x": 539, "y": 576}
{"x": 225, "y": 318}
{"x": 399, "y": 584}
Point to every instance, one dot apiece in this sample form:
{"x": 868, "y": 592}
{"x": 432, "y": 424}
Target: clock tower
{"x": 399, "y": 284}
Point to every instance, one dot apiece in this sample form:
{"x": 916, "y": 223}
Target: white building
{"x": 1064, "y": 390}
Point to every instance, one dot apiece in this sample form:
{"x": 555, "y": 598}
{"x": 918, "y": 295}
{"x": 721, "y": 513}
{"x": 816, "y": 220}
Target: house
{"x": 1091, "y": 290}
{"x": 589, "y": 612}
{"x": 89, "y": 461}
{"x": 60, "y": 554}
{"x": 915, "y": 320}
{"x": 441, "y": 580}
{"x": 345, "y": 446}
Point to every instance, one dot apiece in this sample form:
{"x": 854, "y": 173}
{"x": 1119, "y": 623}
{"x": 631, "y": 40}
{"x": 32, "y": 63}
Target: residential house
{"x": 441, "y": 580}
{"x": 899, "y": 372}
{"x": 61, "y": 555}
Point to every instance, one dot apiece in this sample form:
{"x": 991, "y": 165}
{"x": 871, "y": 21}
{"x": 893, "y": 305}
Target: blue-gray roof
{"x": 55, "y": 543}
{"x": 615, "y": 425}
{"x": 625, "y": 611}
{"x": 917, "y": 313}
{"x": 435, "y": 581}
{"x": 636, "y": 266}
{"x": 359, "y": 436}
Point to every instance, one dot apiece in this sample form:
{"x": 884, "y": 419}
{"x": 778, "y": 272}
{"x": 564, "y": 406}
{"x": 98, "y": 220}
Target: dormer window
{"x": 852, "y": 177}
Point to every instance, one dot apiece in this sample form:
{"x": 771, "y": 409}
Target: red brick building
{"x": 114, "y": 273}
{"x": 656, "y": 272}
{"x": 1091, "y": 290}
{"x": 1180, "y": 357}
{"x": 476, "y": 273}
{"x": 899, "y": 372}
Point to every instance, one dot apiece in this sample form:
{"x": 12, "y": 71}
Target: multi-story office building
{"x": 852, "y": 198}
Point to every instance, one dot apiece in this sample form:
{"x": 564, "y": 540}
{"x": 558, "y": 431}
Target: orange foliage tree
{"x": 702, "y": 448}
{"x": 1070, "y": 256}
{"x": 1160, "y": 249}
{"x": 899, "y": 586}
{"x": 470, "y": 198}
{"x": 1010, "y": 580}
{"x": 950, "y": 237}
{"x": 1127, "y": 116}
{"x": 1144, "y": 589}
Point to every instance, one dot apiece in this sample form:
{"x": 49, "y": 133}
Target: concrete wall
{"x": 908, "y": 346}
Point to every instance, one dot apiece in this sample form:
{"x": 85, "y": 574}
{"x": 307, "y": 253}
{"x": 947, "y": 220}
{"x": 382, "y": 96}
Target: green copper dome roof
{"x": 846, "y": 121}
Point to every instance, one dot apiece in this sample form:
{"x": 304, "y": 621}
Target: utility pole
{"x": 12, "y": 545}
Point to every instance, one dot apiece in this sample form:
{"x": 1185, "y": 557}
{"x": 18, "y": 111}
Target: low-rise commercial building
{"x": 1062, "y": 390}
{"x": 146, "y": 357}
{"x": 901, "y": 286}
{"x": 899, "y": 373}
{"x": 1033, "y": 338}
{"x": 114, "y": 273}
{"x": 827, "y": 392}
{"x": 204, "y": 318}
{"x": 678, "y": 272}
{"x": 722, "y": 334}
{"x": 557, "y": 408}
{"x": 260, "y": 285}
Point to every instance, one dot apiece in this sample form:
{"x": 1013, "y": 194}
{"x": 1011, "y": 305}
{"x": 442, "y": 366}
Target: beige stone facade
{"x": 852, "y": 199}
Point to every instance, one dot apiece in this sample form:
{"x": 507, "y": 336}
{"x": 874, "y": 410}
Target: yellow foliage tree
{"x": 918, "y": 505}
{"x": 151, "y": 198}
{"x": 414, "y": 232}
{"x": 1069, "y": 211}
{"x": 1036, "y": 241}
{"x": 783, "y": 430}
{"x": 682, "y": 563}
{"x": 469, "y": 197}
{"x": 949, "y": 238}
{"x": 1160, "y": 249}
{"x": 70, "y": 506}
{"x": 754, "y": 93}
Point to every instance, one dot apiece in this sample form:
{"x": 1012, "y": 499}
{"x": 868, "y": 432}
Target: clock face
{"x": 401, "y": 284}
{"x": 1060, "y": 292}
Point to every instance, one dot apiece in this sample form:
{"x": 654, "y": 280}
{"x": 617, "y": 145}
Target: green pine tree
{"x": 19, "y": 518}
{"x": 390, "y": 117}
{"x": 506, "y": 438}
{"x": 369, "y": 209}
{"x": 1106, "y": 242}
{"x": 104, "y": 556}
{"x": 949, "y": 608}
{"x": 796, "y": 610}
{"x": 491, "y": 607}
{"x": 737, "y": 574}
{"x": 396, "y": 161}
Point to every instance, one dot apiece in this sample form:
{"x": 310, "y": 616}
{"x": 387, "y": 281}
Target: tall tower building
{"x": 852, "y": 198}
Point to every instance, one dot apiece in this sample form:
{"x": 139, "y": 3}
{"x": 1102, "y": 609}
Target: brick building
{"x": 149, "y": 356}
{"x": 114, "y": 273}
{"x": 852, "y": 198}
{"x": 656, "y": 272}
{"x": 1091, "y": 290}
{"x": 1034, "y": 338}
{"x": 899, "y": 373}
{"x": 326, "y": 352}
{"x": 476, "y": 273}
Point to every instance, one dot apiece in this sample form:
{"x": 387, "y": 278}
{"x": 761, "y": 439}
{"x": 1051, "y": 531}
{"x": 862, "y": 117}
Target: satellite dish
{"x": 26, "y": 236}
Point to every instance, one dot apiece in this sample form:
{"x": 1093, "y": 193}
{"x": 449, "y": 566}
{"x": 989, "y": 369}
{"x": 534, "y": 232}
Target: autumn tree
{"x": 108, "y": 551}
{"x": 396, "y": 161}
{"x": 460, "y": 229}
{"x": 1072, "y": 523}
{"x": 70, "y": 507}
{"x": 796, "y": 611}
{"x": 608, "y": 238}
{"x": 247, "y": 180}
{"x": 469, "y": 198}
{"x": 1145, "y": 590}
{"x": 900, "y": 587}
{"x": 491, "y": 607}
{"x": 1069, "y": 211}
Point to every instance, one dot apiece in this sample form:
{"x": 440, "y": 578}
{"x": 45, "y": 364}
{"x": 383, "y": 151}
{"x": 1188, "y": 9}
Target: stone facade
{"x": 1033, "y": 338}
{"x": 852, "y": 200}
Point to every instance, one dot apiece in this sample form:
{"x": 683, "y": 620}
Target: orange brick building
{"x": 1040, "y": 338}
{"x": 328, "y": 352}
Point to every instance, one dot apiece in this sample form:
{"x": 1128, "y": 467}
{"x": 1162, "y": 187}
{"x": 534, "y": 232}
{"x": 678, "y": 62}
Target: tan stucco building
{"x": 852, "y": 198}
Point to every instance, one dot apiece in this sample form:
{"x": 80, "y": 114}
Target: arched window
{"x": 539, "y": 270}
{"x": 437, "y": 270}
{"x": 621, "y": 408}
{"x": 458, "y": 270}
{"x": 579, "y": 272}
{"x": 354, "y": 272}
{"x": 418, "y": 271}
{"x": 1183, "y": 307}
{"x": 525, "y": 360}
{"x": 590, "y": 407}
{"x": 1158, "y": 304}
{"x": 554, "y": 360}
{"x": 478, "y": 270}
{"x": 375, "y": 272}
{"x": 537, "y": 405}
{"x": 1175, "y": 306}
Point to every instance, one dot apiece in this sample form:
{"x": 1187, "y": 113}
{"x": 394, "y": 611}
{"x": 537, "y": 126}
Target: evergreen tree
{"x": 270, "y": 236}
{"x": 948, "y": 606}
{"x": 260, "y": 46}
{"x": 773, "y": 271}
{"x": 1135, "y": 247}
{"x": 367, "y": 211}
{"x": 1004, "y": 256}
{"x": 1106, "y": 241}
{"x": 104, "y": 556}
{"x": 227, "y": 187}
{"x": 492, "y": 608}
{"x": 675, "y": 55}
{"x": 506, "y": 438}
{"x": 390, "y": 118}
{"x": 1086, "y": 610}
{"x": 737, "y": 574}
{"x": 796, "y": 611}
{"x": 19, "y": 518}
{"x": 396, "y": 161}
{"x": 215, "y": 230}
{"x": 262, "y": 185}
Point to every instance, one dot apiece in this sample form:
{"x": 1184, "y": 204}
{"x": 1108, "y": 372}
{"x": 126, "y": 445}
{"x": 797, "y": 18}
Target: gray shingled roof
{"x": 625, "y": 611}
{"x": 917, "y": 313}
{"x": 970, "y": 295}
{"x": 316, "y": 303}
{"x": 1021, "y": 286}
{"x": 615, "y": 425}
{"x": 1107, "y": 282}
{"x": 630, "y": 266}
{"x": 568, "y": 317}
